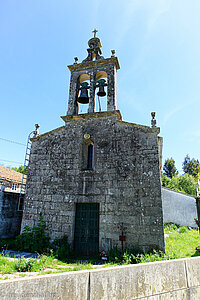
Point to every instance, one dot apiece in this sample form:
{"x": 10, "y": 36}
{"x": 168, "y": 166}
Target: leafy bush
{"x": 165, "y": 181}
{"x": 34, "y": 265}
{"x": 35, "y": 239}
{"x": 183, "y": 229}
{"x": 151, "y": 257}
{"x": 24, "y": 265}
{"x": 133, "y": 256}
{"x": 61, "y": 248}
{"x": 171, "y": 226}
{"x": 125, "y": 256}
{"x": 7, "y": 244}
{"x": 184, "y": 183}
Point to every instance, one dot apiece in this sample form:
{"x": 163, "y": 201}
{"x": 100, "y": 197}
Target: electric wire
{"x": 17, "y": 162}
{"x": 6, "y": 140}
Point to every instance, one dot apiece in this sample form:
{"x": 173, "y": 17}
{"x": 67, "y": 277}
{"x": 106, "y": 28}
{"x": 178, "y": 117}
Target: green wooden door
{"x": 86, "y": 237}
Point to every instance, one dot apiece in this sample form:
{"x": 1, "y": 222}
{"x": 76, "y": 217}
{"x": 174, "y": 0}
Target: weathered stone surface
{"x": 193, "y": 273}
{"x": 67, "y": 286}
{"x": 174, "y": 295}
{"x": 125, "y": 180}
{"x": 136, "y": 282}
{"x": 10, "y": 217}
{"x": 164, "y": 280}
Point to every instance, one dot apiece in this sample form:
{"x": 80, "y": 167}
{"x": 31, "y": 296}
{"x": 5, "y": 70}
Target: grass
{"x": 43, "y": 265}
{"x": 180, "y": 242}
{"x": 6, "y": 266}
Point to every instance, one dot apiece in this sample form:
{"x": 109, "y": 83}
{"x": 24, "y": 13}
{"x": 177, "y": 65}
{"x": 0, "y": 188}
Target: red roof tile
{"x": 10, "y": 174}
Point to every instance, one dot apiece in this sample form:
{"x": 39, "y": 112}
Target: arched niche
{"x": 83, "y": 77}
{"x": 82, "y": 107}
{"x": 101, "y": 74}
{"x": 87, "y": 153}
{"x": 101, "y": 102}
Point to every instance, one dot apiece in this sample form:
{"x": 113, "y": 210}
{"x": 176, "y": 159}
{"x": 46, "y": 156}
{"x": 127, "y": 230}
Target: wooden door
{"x": 86, "y": 237}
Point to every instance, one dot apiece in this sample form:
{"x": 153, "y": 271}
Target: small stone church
{"x": 97, "y": 178}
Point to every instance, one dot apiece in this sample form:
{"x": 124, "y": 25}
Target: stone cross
{"x": 95, "y": 32}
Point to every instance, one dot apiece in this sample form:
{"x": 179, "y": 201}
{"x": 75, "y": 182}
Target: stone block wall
{"x": 125, "y": 180}
{"x": 10, "y": 217}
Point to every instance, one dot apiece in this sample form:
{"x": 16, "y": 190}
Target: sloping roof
{"x": 10, "y": 175}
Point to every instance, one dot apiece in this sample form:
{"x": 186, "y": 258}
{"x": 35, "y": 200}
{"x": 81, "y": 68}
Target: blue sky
{"x": 157, "y": 43}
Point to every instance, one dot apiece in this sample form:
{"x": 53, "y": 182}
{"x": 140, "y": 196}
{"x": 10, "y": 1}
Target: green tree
{"x": 184, "y": 183}
{"x": 191, "y": 166}
{"x": 169, "y": 168}
{"x": 165, "y": 181}
{"x": 20, "y": 169}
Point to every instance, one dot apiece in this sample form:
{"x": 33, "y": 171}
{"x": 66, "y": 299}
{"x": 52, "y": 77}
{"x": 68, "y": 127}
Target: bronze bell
{"x": 101, "y": 84}
{"x": 83, "y": 98}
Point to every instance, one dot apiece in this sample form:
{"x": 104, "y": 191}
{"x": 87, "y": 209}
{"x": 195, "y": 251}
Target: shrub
{"x": 61, "y": 248}
{"x": 6, "y": 244}
{"x": 24, "y": 265}
{"x": 183, "y": 229}
{"x": 35, "y": 239}
{"x": 151, "y": 257}
{"x": 121, "y": 256}
{"x": 134, "y": 256}
{"x": 171, "y": 226}
{"x": 184, "y": 183}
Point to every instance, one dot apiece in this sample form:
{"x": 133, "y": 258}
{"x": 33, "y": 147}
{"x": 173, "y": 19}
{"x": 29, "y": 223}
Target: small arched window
{"x": 87, "y": 153}
{"x": 90, "y": 157}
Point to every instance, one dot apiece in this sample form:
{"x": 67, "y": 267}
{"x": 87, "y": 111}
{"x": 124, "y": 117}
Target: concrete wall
{"x": 176, "y": 279}
{"x": 10, "y": 217}
{"x": 178, "y": 208}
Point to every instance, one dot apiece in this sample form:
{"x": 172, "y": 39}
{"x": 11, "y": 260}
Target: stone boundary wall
{"x": 178, "y": 208}
{"x": 174, "y": 279}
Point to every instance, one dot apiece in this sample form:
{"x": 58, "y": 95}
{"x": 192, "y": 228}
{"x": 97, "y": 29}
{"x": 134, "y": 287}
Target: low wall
{"x": 178, "y": 208}
{"x": 175, "y": 279}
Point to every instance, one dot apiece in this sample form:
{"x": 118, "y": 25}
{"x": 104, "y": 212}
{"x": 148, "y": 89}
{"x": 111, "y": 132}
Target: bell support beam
{"x": 72, "y": 103}
{"x": 112, "y": 89}
{"x": 92, "y": 100}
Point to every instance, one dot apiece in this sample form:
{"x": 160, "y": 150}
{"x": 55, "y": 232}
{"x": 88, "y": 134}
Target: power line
{"x": 11, "y": 161}
{"x": 12, "y": 142}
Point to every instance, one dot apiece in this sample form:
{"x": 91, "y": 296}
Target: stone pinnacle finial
{"x": 94, "y": 50}
{"x": 36, "y": 132}
{"x": 113, "y": 53}
{"x": 75, "y": 60}
{"x": 153, "y": 120}
{"x": 95, "y": 32}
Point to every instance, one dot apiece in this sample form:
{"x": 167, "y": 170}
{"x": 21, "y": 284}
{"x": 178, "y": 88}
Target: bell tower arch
{"x": 99, "y": 72}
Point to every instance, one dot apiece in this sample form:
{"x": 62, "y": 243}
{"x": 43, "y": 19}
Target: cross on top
{"x": 95, "y": 32}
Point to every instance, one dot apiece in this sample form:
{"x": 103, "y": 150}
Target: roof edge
{"x": 95, "y": 63}
{"x": 46, "y": 133}
{"x": 116, "y": 113}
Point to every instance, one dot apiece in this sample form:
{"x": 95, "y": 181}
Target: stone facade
{"x": 97, "y": 158}
{"x": 125, "y": 180}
